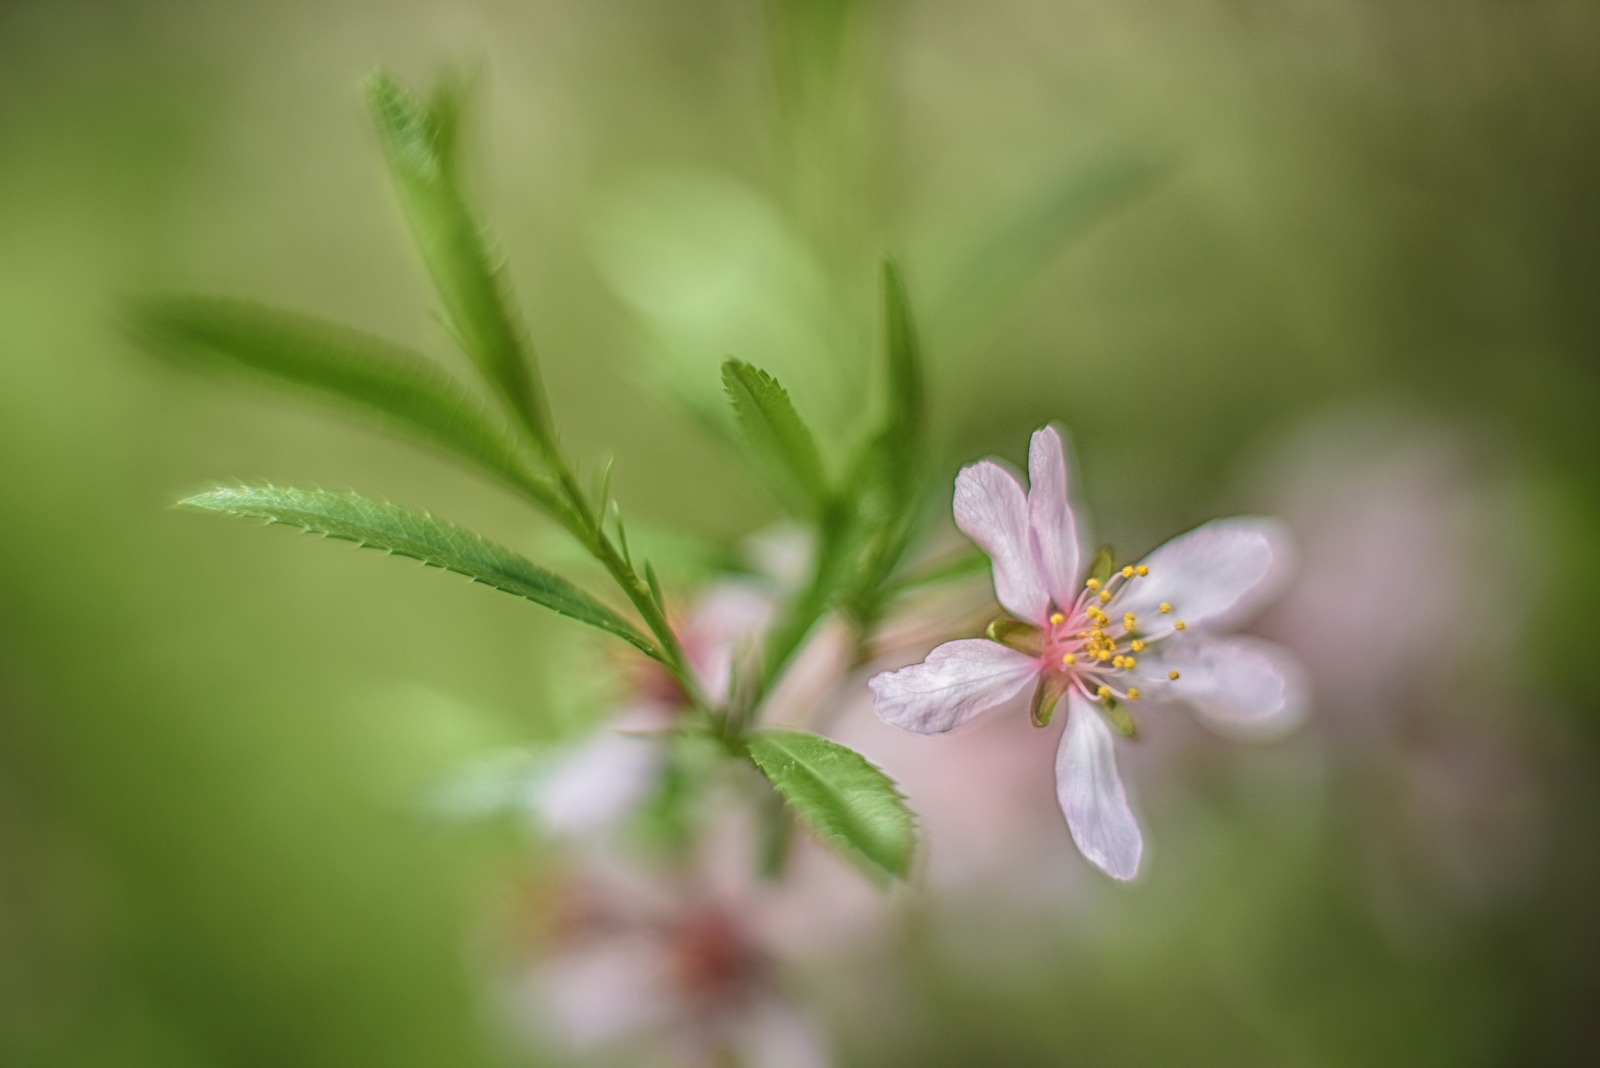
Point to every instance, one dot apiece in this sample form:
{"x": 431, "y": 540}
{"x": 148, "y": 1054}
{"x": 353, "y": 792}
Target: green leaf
{"x": 419, "y": 142}
{"x": 392, "y": 386}
{"x": 903, "y": 424}
{"x": 381, "y": 525}
{"x": 774, "y": 429}
{"x": 845, "y": 799}
{"x": 988, "y": 267}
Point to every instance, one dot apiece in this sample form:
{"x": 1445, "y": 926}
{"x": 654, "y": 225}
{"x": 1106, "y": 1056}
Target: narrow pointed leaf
{"x": 903, "y": 424}
{"x": 399, "y": 390}
{"x": 774, "y": 429}
{"x": 993, "y": 264}
{"x": 846, "y": 800}
{"x": 380, "y": 525}
{"x": 419, "y": 142}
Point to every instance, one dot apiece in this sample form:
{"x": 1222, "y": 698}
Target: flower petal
{"x": 991, "y": 509}
{"x": 1090, "y": 792}
{"x": 1239, "y": 686}
{"x": 590, "y": 789}
{"x": 1050, "y": 516}
{"x": 1216, "y": 576}
{"x": 729, "y": 617}
{"x": 957, "y": 681}
{"x": 773, "y": 1034}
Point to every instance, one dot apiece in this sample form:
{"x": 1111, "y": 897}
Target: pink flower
{"x": 676, "y": 967}
{"x": 598, "y": 782}
{"x": 1151, "y": 632}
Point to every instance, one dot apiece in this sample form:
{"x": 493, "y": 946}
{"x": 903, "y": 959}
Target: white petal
{"x": 957, "y": 681}
{"x": 595, "y": 785}
{"x": 773, "y": 1034}
{"x": 991, "y": 509}
{"x": 1090, "y": 792}
{"x": 729, "y": 618}
{"x": 1239, "y": 686}
{"x": 1216, "y": 576}
{"x": 605, "y": 992}
{"x": 1050, "y": 516}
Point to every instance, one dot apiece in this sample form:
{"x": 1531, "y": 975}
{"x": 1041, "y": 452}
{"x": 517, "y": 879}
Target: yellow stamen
{"x": 1056, "y": 619}
{"x": 1141, "y": 571}
{"x": 1164, "y": 607}
{"x": 1103, "y": 654}
{"x": 1129, "y": 619}
{"x": 1136, "y": 645}
{"x": 1104, "y": 595}
{"x": 1173, "y": 675}
{"x": 1179, "y": 625}
{"x": 1069, "y": 659}
{"x": 1129, "y": 662}
{"x": 1133, "y": 693}
{"x": 1093, "y": 584}
{"x": 1104, "y": 691}
{"x": 1127, "y": 572}
{"x": 1116, "y": 661}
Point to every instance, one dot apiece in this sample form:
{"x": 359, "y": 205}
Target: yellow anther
{"x": 1129, "y": 662}
{"x": 1103, "y": 654}
{"x": 1173, "y": 675}
{"x": 1129, "y": 619}
{"x": 1141, "y": 571}
{"x": 1127, "y": 572}
{"x": 1068, "y": 659}
{"x": 1093, "y": 584}
{"x": 1133, "y": 693}
{"x": 1056, "y": 619}
{"x": 1104, "y": 691}
{"x": 1164, "y": 607}
{"x": 1179, "y": 625}
{"x": 1104, "y": 595}
{"x": 1136, "y": 645}
{"x": 1116, "y": 661}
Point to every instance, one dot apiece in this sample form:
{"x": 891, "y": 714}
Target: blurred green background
{"x": 210, "y": 735}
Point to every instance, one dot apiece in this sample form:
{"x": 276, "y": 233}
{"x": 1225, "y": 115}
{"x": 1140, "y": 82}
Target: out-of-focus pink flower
{"x": 603, "y": 778}
{"x": 1409, "y": 597}
{"x": 674, "y": 967}
{"x": 1151, "y": 631}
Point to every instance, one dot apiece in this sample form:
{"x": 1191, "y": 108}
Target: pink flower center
{"x": 1094, "y": 648}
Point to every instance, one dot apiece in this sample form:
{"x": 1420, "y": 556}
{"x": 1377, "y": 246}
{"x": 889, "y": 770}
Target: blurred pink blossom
{"x": 684, "y": 965}
{"x": 1407, "y": 613}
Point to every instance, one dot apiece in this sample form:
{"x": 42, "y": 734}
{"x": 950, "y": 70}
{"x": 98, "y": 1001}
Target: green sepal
{"x": 1045, "y": 697}
{"x": 1015, "y": 634}
{"x": 1100, "y": 566}
{"x": 1118, "y": 717}
{"x": 400, "y": 531}
{"x": 848, "y": 802}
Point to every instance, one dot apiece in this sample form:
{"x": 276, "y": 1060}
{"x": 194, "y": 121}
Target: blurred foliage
{"x": 210, "y": 740}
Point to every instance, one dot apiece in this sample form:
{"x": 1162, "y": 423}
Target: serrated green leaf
{"x": 380, "y": 525}
{"x": 390, "y": 385}
{"x": 775, "y": 430}
{"x": 845, "y": 799}
{"x": 419, "y": 142}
